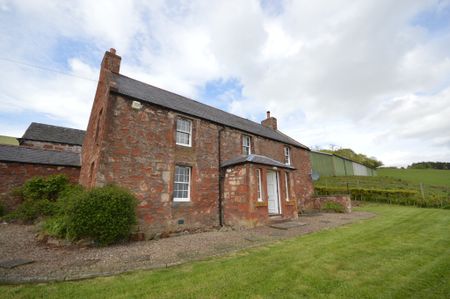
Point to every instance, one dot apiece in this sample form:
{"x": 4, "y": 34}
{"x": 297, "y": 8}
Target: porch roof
{"x": 256, "y": 159}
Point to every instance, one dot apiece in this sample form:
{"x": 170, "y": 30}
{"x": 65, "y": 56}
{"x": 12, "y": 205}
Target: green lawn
{"x": 402, "y": 253}
{"x": 435, "y": 177}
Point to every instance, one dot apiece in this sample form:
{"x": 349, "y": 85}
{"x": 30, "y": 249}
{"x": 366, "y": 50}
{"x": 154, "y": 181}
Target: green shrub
{"x": 2, "y": 209}
{"x": 105, "y": 214}
{"x": 30, "y": 210}
{"x": 333, "y": 207}
{"x": 56, "y": 226}
{"x": 38, "y": 188}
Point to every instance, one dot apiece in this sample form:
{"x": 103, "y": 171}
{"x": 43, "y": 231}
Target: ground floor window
{"x": 286, "y": 184}
{"x": 258, "y": 179}
{"x": 181, "y": 189}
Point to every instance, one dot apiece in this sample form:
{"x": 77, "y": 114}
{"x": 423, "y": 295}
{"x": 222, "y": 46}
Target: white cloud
{"x": 359, "y": 74}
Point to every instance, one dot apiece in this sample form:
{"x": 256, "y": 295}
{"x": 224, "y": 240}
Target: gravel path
{"x": 70, "y": 263}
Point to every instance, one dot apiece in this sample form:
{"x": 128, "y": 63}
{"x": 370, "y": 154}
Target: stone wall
{"x": 240, "y": 196}
{"x": 52, "y": 146}
{"x": 13, "y": 174}
{"x": 138, "y": 151}
{"x": 318, "y": 202}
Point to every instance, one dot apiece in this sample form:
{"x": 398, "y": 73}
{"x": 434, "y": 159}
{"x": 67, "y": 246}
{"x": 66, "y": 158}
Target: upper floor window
{"x": 246, "y": 145}
{"x": 181, "y": 188}
{"x": 258, "y": 179}
{"x": 184, "y": 132}
{"x": 287, "y": 156}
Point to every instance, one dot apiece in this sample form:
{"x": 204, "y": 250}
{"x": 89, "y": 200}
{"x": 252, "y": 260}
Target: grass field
{"x": 433, "y": 177}
{"x": 383, "y": 181}
{"x": 404, "y": 252}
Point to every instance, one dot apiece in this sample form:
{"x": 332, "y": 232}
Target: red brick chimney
{"x": 111, "y": 61}
{"x": 270, "y": 122}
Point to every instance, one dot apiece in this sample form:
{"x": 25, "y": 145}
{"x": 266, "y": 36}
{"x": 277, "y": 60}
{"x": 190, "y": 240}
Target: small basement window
{"x": 287, "y": 155}
{"x": 246, "y": 145}
{"x": 181, "y": 189}
{"x": 184, "y": 132}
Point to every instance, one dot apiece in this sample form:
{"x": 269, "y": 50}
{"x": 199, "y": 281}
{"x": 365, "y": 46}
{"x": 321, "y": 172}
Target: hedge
{"x": 401, "y": 197}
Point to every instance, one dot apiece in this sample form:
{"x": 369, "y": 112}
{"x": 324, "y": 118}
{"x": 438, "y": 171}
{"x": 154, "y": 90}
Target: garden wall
{"x": 318, "y": 202}
{"x": 14, "y": 174}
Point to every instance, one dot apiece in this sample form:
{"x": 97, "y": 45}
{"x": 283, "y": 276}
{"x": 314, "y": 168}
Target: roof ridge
{"x": 185, "y": 97}
{"x": 55, "y": 126}
{"x": 138, "y": 92}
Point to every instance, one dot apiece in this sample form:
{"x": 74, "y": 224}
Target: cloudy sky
{"x": 370, "y": 75}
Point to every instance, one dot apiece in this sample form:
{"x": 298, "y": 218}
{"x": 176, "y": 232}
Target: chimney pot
{"x": 270, "y": 122}
{"x": 112, "y": 50}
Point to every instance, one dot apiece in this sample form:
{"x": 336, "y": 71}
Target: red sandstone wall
{"x": 99, "y": 122}
{"x": 241, "y": 205}
{"x": 140, "y": 154}
{"x": 137, "y": 150}
{"x": 301, "y": 180}
{"x": 14, "y": 174}
{"x": 318, "y": 202}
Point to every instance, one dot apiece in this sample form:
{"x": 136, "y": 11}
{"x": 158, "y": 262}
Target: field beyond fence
{"x": 387, "y": 190}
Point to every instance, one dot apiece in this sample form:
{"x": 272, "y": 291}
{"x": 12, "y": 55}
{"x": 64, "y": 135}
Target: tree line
{"x": 430, "y": 165}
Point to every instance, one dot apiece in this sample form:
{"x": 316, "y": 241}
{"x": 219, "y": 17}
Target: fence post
{"x": 422, "y": 192}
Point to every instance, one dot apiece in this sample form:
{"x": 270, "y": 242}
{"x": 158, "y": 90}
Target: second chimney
{"x": 270, "y": 122}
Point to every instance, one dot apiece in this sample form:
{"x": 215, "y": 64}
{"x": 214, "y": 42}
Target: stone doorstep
{"x": 287, "y": 225}
{"x": 15, "y": 263}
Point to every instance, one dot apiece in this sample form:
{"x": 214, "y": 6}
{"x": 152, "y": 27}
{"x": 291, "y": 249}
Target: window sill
{"x": 261, "y": 204}
{"x": 290, "y": 203}
{"x": 183, "y": 144}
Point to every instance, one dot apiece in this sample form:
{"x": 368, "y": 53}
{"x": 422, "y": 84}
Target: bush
{"x": 333, "y": 207}
{"x": 38, "y": 188}
{"x": 2, "y": 209}
{"x": 56, "y": 226}
{"x": 30, "y": 210}
{"x": 104, "y": 214}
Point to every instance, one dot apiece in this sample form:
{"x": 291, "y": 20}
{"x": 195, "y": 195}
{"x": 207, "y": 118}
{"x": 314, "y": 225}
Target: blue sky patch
{"x": 435, "y": 19}
{"x": 219, "y": 93}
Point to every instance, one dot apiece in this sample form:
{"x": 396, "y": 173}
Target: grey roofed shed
{"x": 56, "y": 134}
{"x": 9, "y": 153}
{"x": 154, "y": 95}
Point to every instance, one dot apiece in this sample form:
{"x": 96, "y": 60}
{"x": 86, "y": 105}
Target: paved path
{"x": 71, "y": 263}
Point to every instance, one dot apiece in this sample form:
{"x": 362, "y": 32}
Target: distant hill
{"x": 8, "y": 140}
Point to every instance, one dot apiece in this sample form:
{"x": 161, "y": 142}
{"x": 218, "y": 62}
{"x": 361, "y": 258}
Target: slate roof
{"x": 22, "y": 154}
{"x": 49, "y": 133}
{"x": 256, "y": 159}
{"x": 148, "y": 93}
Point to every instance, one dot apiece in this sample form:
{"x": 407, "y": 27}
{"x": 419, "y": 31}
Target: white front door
{"x": 272, "y": 192}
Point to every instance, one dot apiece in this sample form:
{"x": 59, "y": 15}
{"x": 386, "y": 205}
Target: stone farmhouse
{"x": 190, "y": 165}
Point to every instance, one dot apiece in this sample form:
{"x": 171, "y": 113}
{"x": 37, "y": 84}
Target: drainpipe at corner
{"x": 221, "y": 176}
